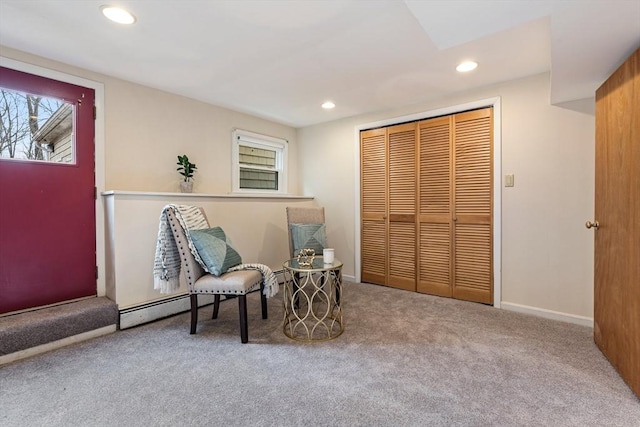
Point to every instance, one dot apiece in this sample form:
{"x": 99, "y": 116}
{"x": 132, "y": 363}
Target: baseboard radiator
{"x": 145, "y": 313}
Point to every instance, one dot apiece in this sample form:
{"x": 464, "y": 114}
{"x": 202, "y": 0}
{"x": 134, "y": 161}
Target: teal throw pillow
{"x": 308, "y": 236}
{"x": 215, "y": 249}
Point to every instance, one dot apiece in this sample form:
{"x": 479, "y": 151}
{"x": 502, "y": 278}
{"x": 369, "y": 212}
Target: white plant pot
{"x": 186, "y": 186}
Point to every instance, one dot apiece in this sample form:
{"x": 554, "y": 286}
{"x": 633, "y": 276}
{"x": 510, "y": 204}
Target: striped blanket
{"x": 166, "y": 266}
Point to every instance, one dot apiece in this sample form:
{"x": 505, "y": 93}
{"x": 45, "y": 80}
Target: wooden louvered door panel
{"x": 434, "y": 262}
{"x": 427, "y": 206}
{"x": 402, "y": 206}
{"x": 373, "y": 148}
{"x": 472, "y": 278}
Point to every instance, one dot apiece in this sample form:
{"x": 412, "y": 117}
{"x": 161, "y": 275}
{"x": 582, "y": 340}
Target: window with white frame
{"x": 259, "y": 163}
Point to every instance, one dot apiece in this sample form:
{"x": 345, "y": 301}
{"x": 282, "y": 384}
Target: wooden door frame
{"x": 99, "y": 150}
{"x": 497, "y": 179}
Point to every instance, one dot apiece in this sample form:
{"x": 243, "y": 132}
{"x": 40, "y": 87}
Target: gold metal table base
{"x": 312, "y": 310}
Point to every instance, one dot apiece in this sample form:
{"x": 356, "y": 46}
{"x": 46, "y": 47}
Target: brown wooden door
{"x": 402, "y": 206}
{"x": 373, "y": 166}
{"x": 435, "y": 225}
{"x": 472, "y": 207}
{"x": 617, "y": 210}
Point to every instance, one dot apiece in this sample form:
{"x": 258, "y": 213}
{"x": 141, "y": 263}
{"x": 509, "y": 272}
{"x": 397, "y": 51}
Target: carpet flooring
{"x": 33, "y": 328}
{"x": 405, "y": 359}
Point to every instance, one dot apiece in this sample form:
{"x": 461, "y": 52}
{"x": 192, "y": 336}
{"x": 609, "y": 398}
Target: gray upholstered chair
{"x": 314, "y": 215}
{"x": 302, "y": 216}
{"x": 236, "y": 283}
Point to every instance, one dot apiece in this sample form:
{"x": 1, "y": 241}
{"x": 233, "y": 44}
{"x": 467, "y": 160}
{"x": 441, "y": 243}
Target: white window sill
{"x": 204, "y": 195}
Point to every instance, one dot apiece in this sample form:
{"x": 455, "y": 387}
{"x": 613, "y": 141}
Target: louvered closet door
{"x": 473, "y": 206}
{"x": 374, "y": 206}
{"x": 434, "y": 262}
{"x": 402, "y": 206}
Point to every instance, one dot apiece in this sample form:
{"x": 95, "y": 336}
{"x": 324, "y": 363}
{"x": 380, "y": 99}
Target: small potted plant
{"x": 186, "y": 169}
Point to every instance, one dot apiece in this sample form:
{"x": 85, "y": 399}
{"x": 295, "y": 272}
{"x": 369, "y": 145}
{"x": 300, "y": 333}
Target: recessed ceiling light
{"x": 328, "y": 105}
{"x": 117, "y": 14}
{"x": 466, "y": 66}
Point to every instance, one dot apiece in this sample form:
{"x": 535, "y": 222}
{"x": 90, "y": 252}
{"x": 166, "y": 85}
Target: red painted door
{"x": 47, "y": 208}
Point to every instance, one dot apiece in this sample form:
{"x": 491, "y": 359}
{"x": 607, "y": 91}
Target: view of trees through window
{"x": 35, "y": 127}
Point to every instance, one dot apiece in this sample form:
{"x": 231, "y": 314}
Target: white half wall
{"x": 257, "y": 227}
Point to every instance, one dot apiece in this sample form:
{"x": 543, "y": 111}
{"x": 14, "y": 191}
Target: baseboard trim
{"x": 145, "y": 313}
{"x": 348, "y": 278}
{"x": 54, "y": 345}
{"x": 159, "y": 309}
{"x": 548, "y": 314}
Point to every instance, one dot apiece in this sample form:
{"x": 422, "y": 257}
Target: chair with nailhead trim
{"x": 311, "y": 215}
{"x": 231, "y": 284}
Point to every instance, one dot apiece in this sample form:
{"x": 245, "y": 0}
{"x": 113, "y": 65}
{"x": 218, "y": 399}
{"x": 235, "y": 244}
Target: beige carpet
{"x": 405, "y": 359}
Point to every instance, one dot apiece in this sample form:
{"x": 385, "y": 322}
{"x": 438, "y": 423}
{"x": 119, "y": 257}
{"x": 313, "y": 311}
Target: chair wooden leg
{"x": 244, "y": 328}
{"x": 216, "y": 306}
{"x": 323, "y": 279}
{"x": 263, "y": 301}
{"x": 194, "y": 312}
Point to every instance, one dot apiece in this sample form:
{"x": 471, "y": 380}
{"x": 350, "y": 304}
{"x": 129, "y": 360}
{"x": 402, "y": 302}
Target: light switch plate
{"x": 508, "y": 180}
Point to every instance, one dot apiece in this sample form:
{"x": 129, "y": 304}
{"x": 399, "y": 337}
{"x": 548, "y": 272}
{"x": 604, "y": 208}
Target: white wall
{"x": 146, "y": 129}
{"x": 547, "y": 254}
{"x": 136, "y": 150}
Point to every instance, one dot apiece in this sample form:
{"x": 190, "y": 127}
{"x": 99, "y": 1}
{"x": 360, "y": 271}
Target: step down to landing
{"x": 31, "y": 329}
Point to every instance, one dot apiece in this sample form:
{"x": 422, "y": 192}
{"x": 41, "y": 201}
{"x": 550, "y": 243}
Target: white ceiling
{"x": 281, "y": 59}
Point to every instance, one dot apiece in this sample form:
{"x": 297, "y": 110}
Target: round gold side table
{"x": 312, "y": 310}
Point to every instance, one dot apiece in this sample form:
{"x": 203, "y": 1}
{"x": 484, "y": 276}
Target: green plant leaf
{"x": 186, "y": 168}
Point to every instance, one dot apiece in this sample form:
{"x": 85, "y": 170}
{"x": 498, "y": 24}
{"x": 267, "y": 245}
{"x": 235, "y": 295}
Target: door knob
{"x": 594, "y": 224}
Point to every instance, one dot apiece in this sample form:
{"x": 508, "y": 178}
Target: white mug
{"x": 328, "y": 255}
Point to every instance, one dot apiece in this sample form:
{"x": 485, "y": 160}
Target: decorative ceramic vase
{"x": 186, "y": 186}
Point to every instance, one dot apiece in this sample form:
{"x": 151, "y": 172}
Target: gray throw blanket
{"x": 167, "y": 263}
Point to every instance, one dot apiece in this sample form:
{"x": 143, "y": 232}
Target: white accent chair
{"x": 232, "y": 284}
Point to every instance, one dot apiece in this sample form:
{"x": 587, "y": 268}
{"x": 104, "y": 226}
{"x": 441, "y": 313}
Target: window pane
{"x": 259, "y": 162}
{"x": 258, "y": 179}
{"x": 35, "y": 128}
{"x": 257, "y": 156}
